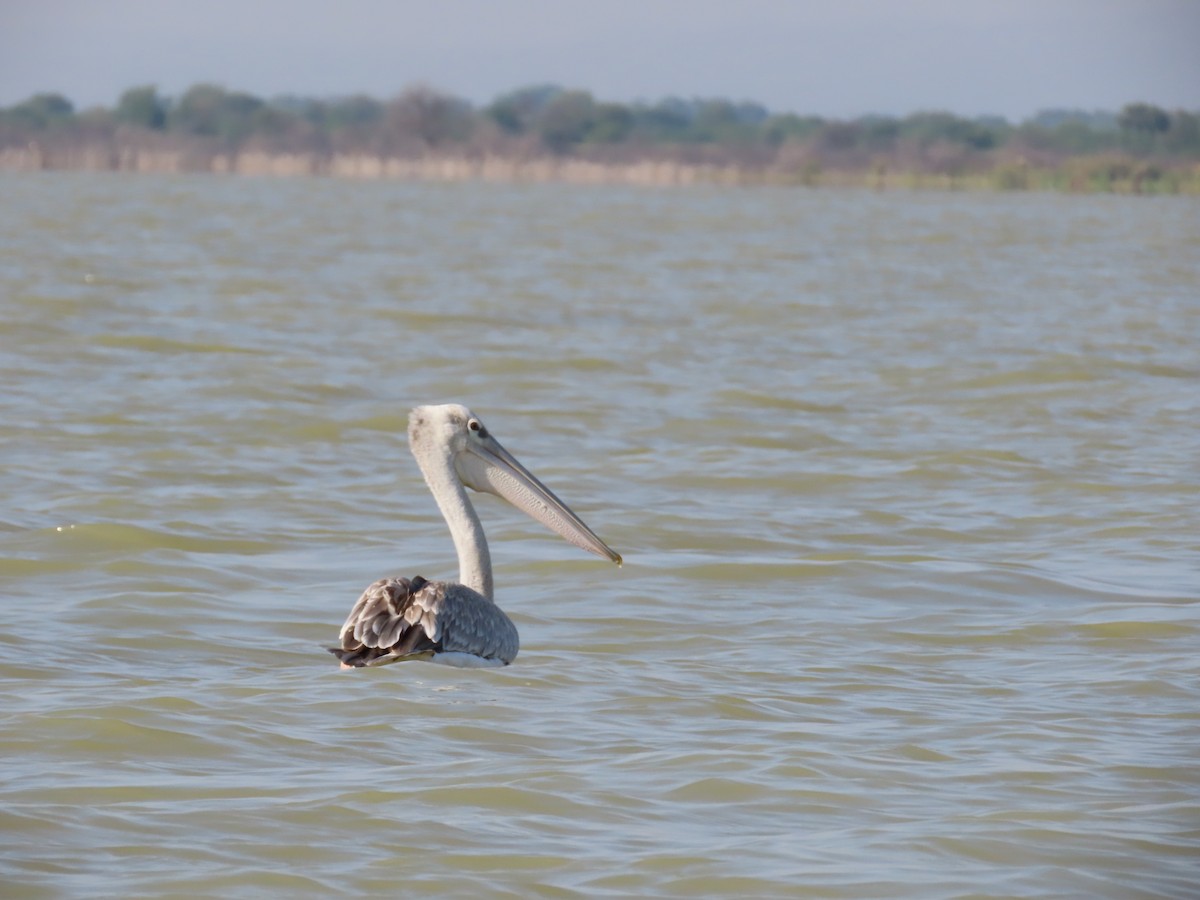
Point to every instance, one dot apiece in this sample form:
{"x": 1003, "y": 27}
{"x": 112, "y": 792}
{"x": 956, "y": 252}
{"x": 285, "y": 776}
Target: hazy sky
{"x": 838, "y": 58}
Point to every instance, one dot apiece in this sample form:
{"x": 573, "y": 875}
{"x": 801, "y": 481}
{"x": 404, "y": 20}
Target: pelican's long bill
{"x": 487, "y": 466}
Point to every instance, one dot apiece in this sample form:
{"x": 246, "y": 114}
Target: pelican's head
{"x": 455, "y": 433}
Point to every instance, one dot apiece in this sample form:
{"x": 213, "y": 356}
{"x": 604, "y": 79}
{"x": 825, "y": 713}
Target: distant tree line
{"x": 552, "y": 120}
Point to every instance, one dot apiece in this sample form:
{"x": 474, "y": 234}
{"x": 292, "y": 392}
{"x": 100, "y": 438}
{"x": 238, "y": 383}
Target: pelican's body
{"x": 457, "y": 623}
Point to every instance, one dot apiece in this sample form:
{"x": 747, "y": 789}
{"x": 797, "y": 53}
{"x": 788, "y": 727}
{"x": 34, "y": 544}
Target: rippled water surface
{"x": 907, "y": 487}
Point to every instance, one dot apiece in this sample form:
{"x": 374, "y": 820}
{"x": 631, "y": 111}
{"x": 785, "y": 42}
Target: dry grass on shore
{"x": 1111, "y": 174}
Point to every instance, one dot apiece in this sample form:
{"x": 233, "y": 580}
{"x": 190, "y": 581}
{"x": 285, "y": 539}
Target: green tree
{"x": 612, "y": 123}
{"x": 567, "y": 120}
{"x": 716, "y": 120}
{"x": 1143, "y": 126}
{"x": 142, "y": 106}
{"x": 516, "y": 111}
{"x": 839, "y": 136}
{"x": 210, "y": 110}
{"x": 1074, "y": 136}
{"x": 358, "y": 110}
{"x": 430, "y": 116}
{"x": 1143, "y": 118}
{"x": 1095, "y": 120}
{"x": 931, "y": 127}
{"x": 878, "y": 133}
{"x": 42, "y": 110}
{"x": 666, "y": 121}
{"x": 790, "y": 126}
{"x": 1184, "y": 134}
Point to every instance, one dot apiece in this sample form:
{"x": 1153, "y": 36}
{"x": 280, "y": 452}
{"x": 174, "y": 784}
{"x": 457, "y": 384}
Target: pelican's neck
{"x": 474, "y": 561}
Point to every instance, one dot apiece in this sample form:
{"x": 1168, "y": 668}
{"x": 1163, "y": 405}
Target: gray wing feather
{"x": 397, "y": 619}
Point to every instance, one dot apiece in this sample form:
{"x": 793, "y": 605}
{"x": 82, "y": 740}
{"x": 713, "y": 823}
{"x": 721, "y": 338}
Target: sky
{"x": 834, "y": 58}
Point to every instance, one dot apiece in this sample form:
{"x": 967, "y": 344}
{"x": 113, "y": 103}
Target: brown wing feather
{"x": 390, "y": 621}
{"x": 397, "y": 619}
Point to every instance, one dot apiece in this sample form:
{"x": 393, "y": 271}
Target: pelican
{"x": 456, "y": 623}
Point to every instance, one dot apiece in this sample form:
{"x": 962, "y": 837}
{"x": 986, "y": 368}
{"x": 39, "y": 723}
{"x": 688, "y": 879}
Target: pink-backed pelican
{"x": 457, "y": 623}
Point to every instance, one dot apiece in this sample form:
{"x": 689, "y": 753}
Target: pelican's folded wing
{"x": 397, "y": 619}
{"x": 394, "y": 619}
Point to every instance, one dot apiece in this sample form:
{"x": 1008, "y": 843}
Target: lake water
{"x": 907, "y": 487}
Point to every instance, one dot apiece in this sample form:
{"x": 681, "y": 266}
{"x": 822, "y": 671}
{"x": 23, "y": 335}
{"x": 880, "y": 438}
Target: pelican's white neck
{"x": 474, "y": 561}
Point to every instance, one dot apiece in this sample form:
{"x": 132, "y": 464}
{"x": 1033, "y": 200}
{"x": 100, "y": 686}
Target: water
{"x": 906, "y": 485}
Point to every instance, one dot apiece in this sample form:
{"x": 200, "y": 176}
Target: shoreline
{"x": 1120, "y": 175}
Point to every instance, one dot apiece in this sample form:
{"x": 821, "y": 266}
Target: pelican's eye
{"x": 476, "y": 426}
